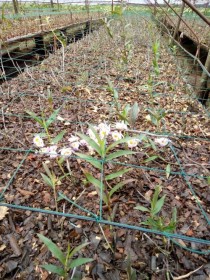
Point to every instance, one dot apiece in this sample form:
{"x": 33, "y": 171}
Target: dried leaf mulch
{"x": 81, "y": 94}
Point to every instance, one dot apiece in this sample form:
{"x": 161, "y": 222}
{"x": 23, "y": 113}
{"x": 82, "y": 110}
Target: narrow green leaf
{"x": 91, "y": 160}
{"x": 158, "y": 205}
{"x": 98, "y": 186}
{"x": 119, "y": 154}
{"x": 47, "y": 180}
{"x": 142, "y": 208}
{"x": 123, "y": 117}
{"x": 141, "y": 137}
{"x": 101, "y": 142}
{"x": 58, "y": 137}
{"x": 133, "y": 113}
{"x": 155, "y": 196}
{"x": 77, "y": 249}
{"x": 52, "y": 118}
{"x": 64, "y": 176}
{"x": 150, "y": 159}
{"x": 117, "y": 174}
{"x": 133, "y": 275}
{"x": 47, "y": 170}
{"x": 54, "y": 269}
{"x": 169, "y": 228}
{"x": 42, "y": 134}
{"x": 152, "y": 143}
{"x": 91, "y": 142}
{"x": 174, "y": 216}
{"x": 53, "y": 248}
{"x": 121, "y": 141}
{"x": 35, "y": 117}
{"x": 168, "y": 170}
{"x": 94, "y": 181}
{"x": 119, "y": 185}
{"x": 79, "y": 262}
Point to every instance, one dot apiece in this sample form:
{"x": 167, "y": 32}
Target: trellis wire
{"x": 99, "y": 219}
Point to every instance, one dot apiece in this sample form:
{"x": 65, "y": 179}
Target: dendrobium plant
{"x": 101, "y": 135}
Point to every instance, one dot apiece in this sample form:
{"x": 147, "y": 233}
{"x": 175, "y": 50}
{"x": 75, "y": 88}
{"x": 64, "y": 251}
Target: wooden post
{"x": 87, "y": 8}
{"x": 51, "y": 4}
{"x": 155, "y": 8}
{"x": 15, "y": 6}
{"x": 179, "y": 21}
{"x": 203, "y": 87}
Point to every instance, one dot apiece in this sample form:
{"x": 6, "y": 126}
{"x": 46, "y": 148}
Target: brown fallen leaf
{"x": 2, "y": 247}
{"x": 3, "y": 212}
{"x": 190, "y": 232}
{"x": 25, "y": 193}
{"x": 14, "y": 245}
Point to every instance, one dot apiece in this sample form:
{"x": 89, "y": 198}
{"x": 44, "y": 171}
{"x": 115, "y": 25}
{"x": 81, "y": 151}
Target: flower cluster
{"x": 105, "y": 130}
{"x": 96, "y": 133}
{"x": 74, "y": 145}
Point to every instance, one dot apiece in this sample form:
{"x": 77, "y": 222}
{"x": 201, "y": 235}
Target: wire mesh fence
{"x": 125, "y": 73}
{"x": 190, "y": 28}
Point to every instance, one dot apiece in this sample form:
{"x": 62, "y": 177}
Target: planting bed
{"x": 77, "y": 83}
{"x": 11, "y": 28}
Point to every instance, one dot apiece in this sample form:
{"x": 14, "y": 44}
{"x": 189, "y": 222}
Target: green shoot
{"x": 155, "y": 221}
{"x": 66, "y": 259}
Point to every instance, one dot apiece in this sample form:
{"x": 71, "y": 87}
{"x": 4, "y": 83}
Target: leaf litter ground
{"x": 81, "y": 92}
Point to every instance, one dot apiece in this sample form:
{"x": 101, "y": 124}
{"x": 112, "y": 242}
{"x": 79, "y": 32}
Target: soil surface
{"x": 77, "y": 83}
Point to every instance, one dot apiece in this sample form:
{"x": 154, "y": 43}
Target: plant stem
{"x": 110, "y": 247}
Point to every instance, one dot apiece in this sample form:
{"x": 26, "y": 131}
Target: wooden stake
{"x": 203, "y": 88}
{"x": 179, "y": 21}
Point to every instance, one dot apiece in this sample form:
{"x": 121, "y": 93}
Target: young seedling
{"x": 52, "y": 181}
{"x": 157, "y": 116}
{"x": 128, "y": 114}
{"x": 66, "y": 259}
{"x": 45, "y": 123}
{"x": 131, "y": 273}
{"x": 156, "y": 54}
{"x": 97, "y": 141}
{"x": 155, "y": 221}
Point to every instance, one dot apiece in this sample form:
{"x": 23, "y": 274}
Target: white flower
{"x": 73, "y": 139}
{"x": 117, "y": 135}
{"x": 52, "y": 151}
{"x": 38, "y": 141}
{"x": 59, "y": 118}
{"x": 132, "y": 143}
{"x": 121, "y": 125}
{"x": 44, "y": 150}
{"x": 83, "y": 143}
{"x": 148, "y": 118}
{"x": 75, "y": 145}
{"x": 66, "y": 152}
{"x": 91, "y": 150}
{"x": 104, "y": 130}
{"x": 162, "y": 141}
{"x": 92, "y": 135}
